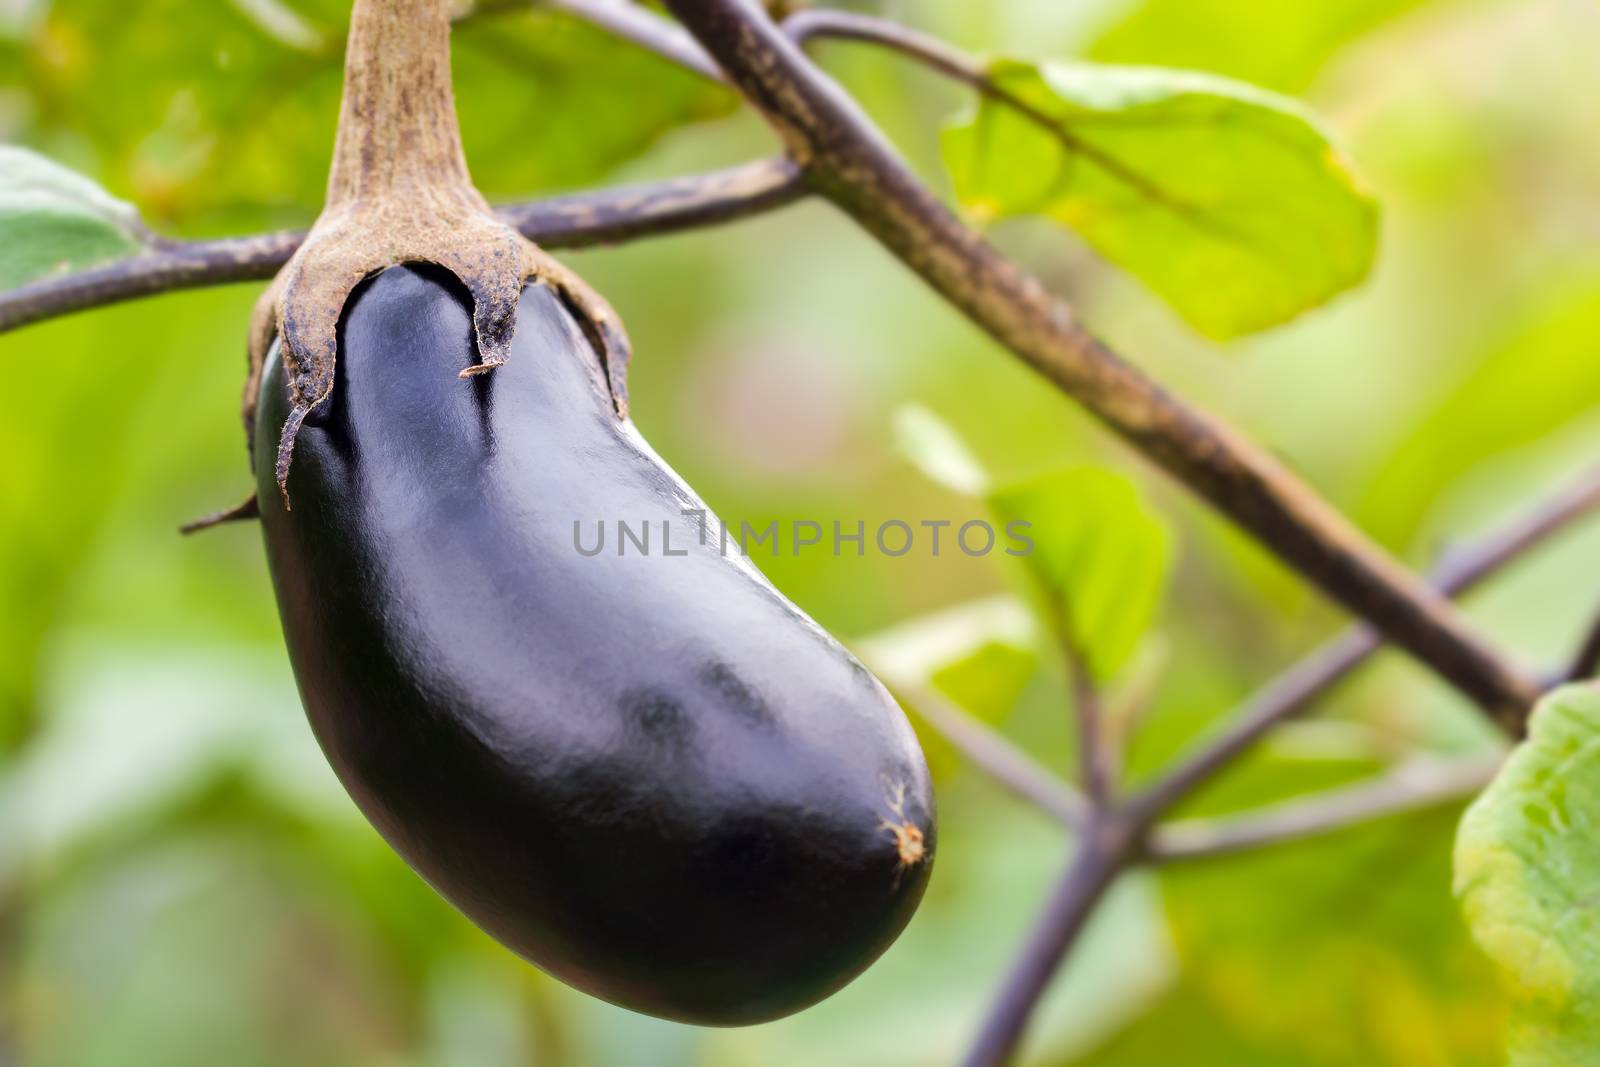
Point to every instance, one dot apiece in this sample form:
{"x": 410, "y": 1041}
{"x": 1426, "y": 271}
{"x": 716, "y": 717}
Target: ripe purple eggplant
{"x": 651, "y": 775}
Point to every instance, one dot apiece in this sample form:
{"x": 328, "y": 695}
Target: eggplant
{"x": 649, "y": 774}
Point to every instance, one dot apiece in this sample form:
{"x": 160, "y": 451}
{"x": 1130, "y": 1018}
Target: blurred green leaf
{"x": 989, "y": 681}
{"x": 1525, "y": 873}
{"x": 206, "y": 114}
{"x": 135, "y": 728}
{"x": 101, "y": 464}
{"x": 1099, "y": 558}
{"x": 547, "y": 101}
{"x": 1266, "y": 42}
{"x": 195, "y": 950}
{"x": 1228, "y": 201}
{"x": 53, "y": 220}
{"x": 980, "y": 654}
{"x": 921, "y": 647}
{"x": 1097, "y": 555}
{"x": 1535, "y": 374}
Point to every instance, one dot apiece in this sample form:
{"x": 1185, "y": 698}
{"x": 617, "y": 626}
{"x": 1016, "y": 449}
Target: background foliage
{"x": 182, "y": 882}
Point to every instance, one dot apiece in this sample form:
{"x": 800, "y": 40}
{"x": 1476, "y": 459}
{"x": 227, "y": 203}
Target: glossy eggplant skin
{"x": 652, "y": 776}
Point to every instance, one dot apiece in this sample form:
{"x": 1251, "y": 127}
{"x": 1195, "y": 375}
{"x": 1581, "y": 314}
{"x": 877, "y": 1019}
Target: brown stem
{"x": 581, "y": 220}
{"x": 1292, "y": 691}
{"x": 852, "y": 164}
{"x": 397, "y": 121}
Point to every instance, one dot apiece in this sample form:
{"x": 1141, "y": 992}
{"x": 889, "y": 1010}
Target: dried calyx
{"x": 399, "y": 192}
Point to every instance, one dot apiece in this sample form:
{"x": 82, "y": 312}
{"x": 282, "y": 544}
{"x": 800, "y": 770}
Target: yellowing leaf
{"x": 1228, "y": 201}
{"x": 1528, "y": 879}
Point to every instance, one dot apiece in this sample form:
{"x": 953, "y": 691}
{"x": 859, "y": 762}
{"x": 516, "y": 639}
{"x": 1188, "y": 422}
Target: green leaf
{"x": 1534, "y": 355}
{"x": 536, "y": 114}
{"x": 1228, "y": 201}
{"x": 1099, "y": 558}
{"x": 1526, "y": 874}
{"x": 981, "y": 655}
{"x": 53, "y": 220}
{"x": 938, "y": 646}
{"x": 1266, "y": 42}
{"x": 1098, "y": 555}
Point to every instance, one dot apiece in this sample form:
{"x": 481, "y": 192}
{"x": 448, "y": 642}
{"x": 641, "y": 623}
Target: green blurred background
{"x": 183, "y": 882}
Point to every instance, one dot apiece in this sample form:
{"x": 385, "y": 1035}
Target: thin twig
{"x": 1410, "y": 787}
{"x": 994, "y": 755}
{"x": 661, "y": 36}
{"x": 969, "y": 70}
{"x": 816, "y": 23}
{"x": 1100, "y": 856}
{"x": 1292, "y": 691}
{"x": 850, "y": 162}
{"x": 624, "y": 20}
{"x": 1094, "y": 758}
{"x": 652, "y": 209}
{"x": 643, "y": 27}
{"x": 575, "y": 221}
{"x": 1088, "y": 711}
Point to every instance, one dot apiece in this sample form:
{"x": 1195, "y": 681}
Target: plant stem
{"x": 815, "y": 23}
{"x": 643, "y": 27}
{"x": 852, "y": 164}
{"x": 1587, "y": 658}
{"x": 1100, "y": 855}
{"x": 397, "y": 119}
{"x": 1292, "y": 691}
{"x": 1279, "y": 701}
{"x": 577, "y": 221}
{"x": 1409, "y": 787}
{"x": 1095, "y": 771}
{"x": 989, "y": 750}
{"x": 651, "y": 209}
